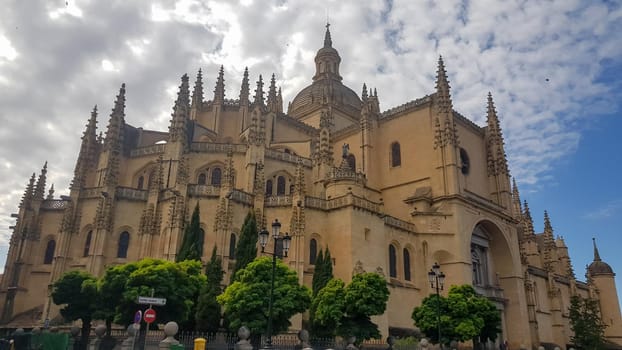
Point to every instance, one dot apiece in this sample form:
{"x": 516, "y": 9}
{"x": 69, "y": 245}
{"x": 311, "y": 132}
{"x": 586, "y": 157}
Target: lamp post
{"x": 263, "y": 240}
{"x": 437, "y": 279}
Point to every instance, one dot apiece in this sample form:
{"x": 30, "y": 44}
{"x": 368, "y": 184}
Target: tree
{"x": 178, "y": 282}
{"x": 208, "y": 309}
{"x": 192, "y": 243}
{"x": 323, "y": 271}
{"x": 347, "y": 310}
{"x": 586, "y": 323}
{"x": 464, "y": 316}
{"x": 246, "y": 250}
{"x": 245, "y": 301}
{"x": 77, "y": 290}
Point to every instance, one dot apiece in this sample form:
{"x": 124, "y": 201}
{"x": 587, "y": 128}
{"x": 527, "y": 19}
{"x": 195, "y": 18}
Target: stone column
{"x": 170, "y": 329}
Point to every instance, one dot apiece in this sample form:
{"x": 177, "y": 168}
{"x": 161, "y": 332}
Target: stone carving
{"x": 358, "y": 268}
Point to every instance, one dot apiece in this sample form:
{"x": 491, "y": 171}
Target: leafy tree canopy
{"x": 246, "y": 300}
{"x": 346, "y": 310}
{"x": 77, "y": 290}
{"x": 464, "y": 316}
{"x": 178, "y": 282}
{"x": 585, "y": 322}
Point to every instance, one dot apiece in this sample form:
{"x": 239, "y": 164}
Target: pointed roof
{"x": 497, "y": 160}
{"x": 114, "y": 131}
{"x": 516, "y": 199}
{"x": 40, "y": 187}
{"x": 219, "y": 90}
{"x": 443, "y": 88}
{"x": 528, "y": 221}
{"x": 88, "y": 149}
{"x": 328, "y": 41}
{"x": 180, "y": 116}
{"x": 446, "y": 132}
{"x": 598, "y": 267}
{"x": 29, "y": 191}
{"x": 259, "y": 100}
{"x": 272, "y": 99}
{"x": 364, "y": 95}
{"x": 244, "y": 89}
{"x": 197, "y": 92}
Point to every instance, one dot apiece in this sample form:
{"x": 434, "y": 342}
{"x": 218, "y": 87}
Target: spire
{"x": 197, "y": 93}
{"x": 272, "y": 98}
{"x": 244, "y": 89}
{"x": 549, "y": 243}
{"x": 279, "y": 101}
{"x": 40, "y": 187}
{"x": 596, "y": 254}
{"x": 29, "y": 192}
{"x": 328, "y": 42}
{"x": 51, "y": 192}
{"x": 219, "y": 91}
{"x": 364, "y": 93}
{"x": 259, "y": 92}
{"x": 88, "y": 149}
{"x": 178, "y": 128}
{"x": 114, "y": 132}
{"x": 446, "y": 132}
{"x": 548, "y": 229}
{"x": 497, "y": 161}
{"x": 516, "y": 199}
{"x": 528, "y": 221}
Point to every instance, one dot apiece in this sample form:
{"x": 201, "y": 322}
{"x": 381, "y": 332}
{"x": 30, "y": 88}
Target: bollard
{"x": 243, "y": 344}
{"x": 199, "y": 344}
{"x": 100, "y": 330}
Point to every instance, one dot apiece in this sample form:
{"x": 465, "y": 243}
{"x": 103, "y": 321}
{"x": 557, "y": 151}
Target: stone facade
{"x": 392, "y": 192}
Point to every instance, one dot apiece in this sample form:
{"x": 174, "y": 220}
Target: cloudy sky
{"x": 552, "y": 67}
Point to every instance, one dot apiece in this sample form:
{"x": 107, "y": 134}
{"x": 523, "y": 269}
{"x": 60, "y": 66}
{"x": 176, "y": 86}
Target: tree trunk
{"x": 86, "y": 331}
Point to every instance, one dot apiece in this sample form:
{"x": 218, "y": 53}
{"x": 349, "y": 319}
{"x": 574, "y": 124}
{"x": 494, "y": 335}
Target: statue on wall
{"x": 345, "y": 150}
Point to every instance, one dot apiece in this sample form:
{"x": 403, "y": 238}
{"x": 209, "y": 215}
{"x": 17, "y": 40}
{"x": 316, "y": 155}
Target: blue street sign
{"x": 138, "y": 316}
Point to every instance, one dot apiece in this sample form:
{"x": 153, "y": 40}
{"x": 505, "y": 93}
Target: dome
{"x": 323, "y": 91}
{"x": 599, "y": 268}
{"x": 326, "y": 87}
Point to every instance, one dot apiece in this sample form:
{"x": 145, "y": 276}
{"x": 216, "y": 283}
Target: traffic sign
{"x": 152, "y": 301}
{"x": 150, "y": 315}
{"x": 138, "y": 316}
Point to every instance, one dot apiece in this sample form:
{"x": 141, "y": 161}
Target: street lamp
{"x": 437, "y": 279}
{"x": 263, "y": 240}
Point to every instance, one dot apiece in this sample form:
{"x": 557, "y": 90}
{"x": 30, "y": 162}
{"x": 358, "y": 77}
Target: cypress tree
{"x": 321, "y": 276}
{"x": 208, "y": 309}
{"x": 192, "y": 243}
{"x": 317, "y": 273}
{"x": 246, "y": 250}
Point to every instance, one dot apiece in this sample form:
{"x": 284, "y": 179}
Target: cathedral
{"x": 392, "y": 192}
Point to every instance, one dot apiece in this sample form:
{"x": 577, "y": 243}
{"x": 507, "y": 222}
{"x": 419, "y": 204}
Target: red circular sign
{"x": 150, "y": 315}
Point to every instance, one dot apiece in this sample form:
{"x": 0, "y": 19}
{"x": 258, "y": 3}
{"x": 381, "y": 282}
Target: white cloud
{"x": 607, "y": 210}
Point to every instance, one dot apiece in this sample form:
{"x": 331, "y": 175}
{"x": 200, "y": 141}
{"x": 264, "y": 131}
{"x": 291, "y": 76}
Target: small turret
{"x": 272, "y": 98}
{"x": 549, "y": 244}
{"x": 364, "y": 93}
{"x": 219, "y": 90}
{"x": 244, "y": 89}
{"x": 178, "y": 129}
{"x": 259, "y": 99}
{"x": 598, "y": 267}
{"x": 528, "y": 221}
{"x": 497, "y": 160}
{"x": 197, "y": 96}
{"x": 516, "y": 205}
{"x": 29, "y": 192}
{"x": 88, "y": 150}
{"x": 116, "y": 123}
{"x": 40, "y": 187}
{"x": 446, "y": 132}
{"x": 50, "y": 193}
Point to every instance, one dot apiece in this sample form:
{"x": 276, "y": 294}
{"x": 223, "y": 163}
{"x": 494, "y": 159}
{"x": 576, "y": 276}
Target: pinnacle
{"x": 259, "y": 91}
{"x": 197, "y": 93}
{"x": 596, "y": 254}
{"x": 364, "y": 93}
{"x": 328, "y": 42}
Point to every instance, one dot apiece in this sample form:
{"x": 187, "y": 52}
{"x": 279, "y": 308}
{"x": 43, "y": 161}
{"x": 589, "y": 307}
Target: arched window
{"x": 87, "y": 243}
{"x": 392, "y": 261}
{"x": 280, "y": 186}
{"x": 269, "y": 188}
{"x": 216, "y": 176}
{"x": 406, "y": 264}
{"x": 396, "y": 155}
{"x": 312, "y": 251}
{"x": 49, "y": 252}
{"x": 464, "y": 160}
{"x": 351, "y": 161}
{"x": 476, "y": 265}
{"x": 232, "y": 246}
{"x": 141, "y": 182}
{"x": 124, "y": 243}
{"x": 479, "y": 251}
{"x": 202, "y": 179}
